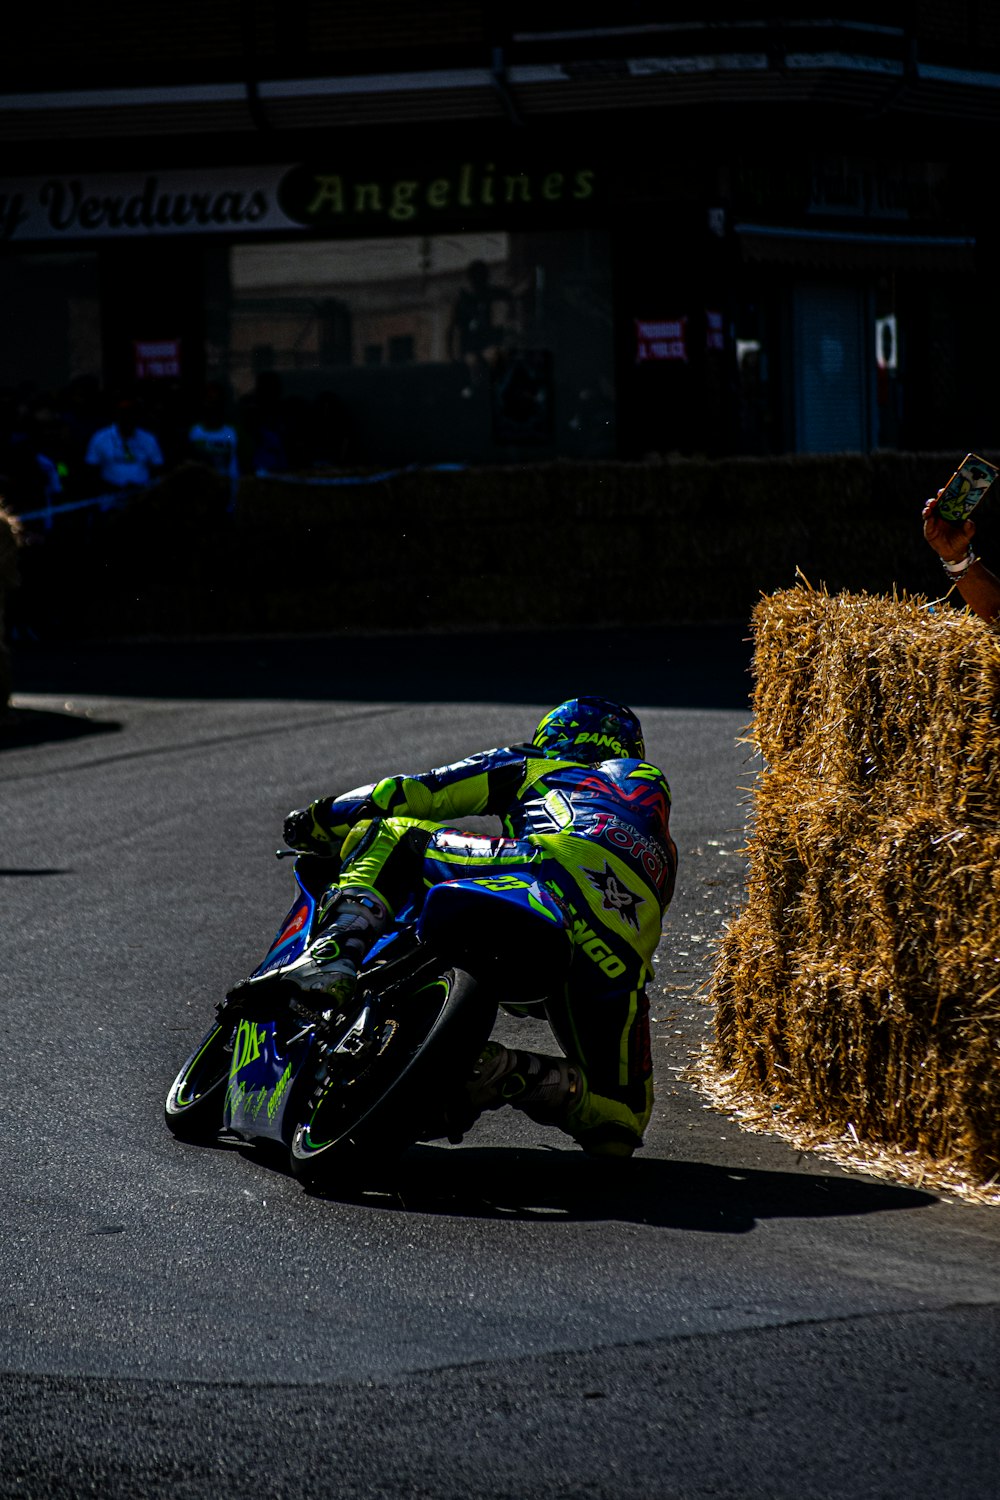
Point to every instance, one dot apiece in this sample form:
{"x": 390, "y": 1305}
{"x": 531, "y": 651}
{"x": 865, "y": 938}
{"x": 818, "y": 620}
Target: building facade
{"x": 506, "y": 235}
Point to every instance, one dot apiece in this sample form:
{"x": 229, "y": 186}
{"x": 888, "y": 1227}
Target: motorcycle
{"x": 346, "y": 1092}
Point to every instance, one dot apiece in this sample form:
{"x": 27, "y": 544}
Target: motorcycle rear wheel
{"x": 193, "y": 1108}
{"x": 366, "y": 1109}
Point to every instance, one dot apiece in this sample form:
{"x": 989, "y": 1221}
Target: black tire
{"x": 193, "y": 1110}
{"x": 365, "y": 1111}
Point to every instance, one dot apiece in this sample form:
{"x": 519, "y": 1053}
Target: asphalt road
{"x": 721, "y": 1318}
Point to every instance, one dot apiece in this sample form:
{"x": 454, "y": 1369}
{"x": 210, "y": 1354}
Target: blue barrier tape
{"x": 340, "y": 479}
{"x": 106, "y": 502}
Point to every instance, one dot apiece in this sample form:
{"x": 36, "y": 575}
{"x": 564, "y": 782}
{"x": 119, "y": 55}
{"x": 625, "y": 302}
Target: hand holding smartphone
{"x": 965, "y": 489}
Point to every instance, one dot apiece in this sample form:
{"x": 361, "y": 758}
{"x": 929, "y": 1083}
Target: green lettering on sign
{"x": 331, "y": 196}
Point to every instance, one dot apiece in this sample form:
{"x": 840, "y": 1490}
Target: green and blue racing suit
{"x": 597, "y": 835}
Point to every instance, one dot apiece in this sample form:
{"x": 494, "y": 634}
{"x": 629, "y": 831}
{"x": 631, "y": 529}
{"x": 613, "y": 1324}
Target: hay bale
{"x": 865, "y": 691}
{"x": 858, "y": 991}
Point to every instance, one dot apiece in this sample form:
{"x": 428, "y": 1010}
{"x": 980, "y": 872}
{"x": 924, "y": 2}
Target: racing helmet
{"x": 591, "y": 729}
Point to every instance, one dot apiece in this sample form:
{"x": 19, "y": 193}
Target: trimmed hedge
{"x": 560, "y": 544}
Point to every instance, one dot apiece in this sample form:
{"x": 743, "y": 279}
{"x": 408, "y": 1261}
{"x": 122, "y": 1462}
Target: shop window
{"x": 469, "y": 347}
{"x": 832, "y": 360}
{"x": 52, "y": 320}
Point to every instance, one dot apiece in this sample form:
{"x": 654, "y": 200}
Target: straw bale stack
{"x": 857, "y": 994}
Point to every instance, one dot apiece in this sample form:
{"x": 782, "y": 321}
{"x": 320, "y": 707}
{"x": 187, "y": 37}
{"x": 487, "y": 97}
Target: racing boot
{"x": 550, "y": 1091}
{"x": 544, "y": 1087}
{"x": 349, "y": 924}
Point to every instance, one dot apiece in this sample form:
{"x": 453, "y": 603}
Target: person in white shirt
{"x": 124, "y": 455}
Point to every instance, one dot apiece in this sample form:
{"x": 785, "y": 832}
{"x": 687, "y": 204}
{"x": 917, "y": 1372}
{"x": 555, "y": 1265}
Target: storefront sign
{"x": 714, "y": 336}
{"x": 159, "y": 360}
{"x": 77, "y": 206}
{"x": 334, "y": 197}
{"x": 338, "y": 196}
{"x": 661, "y": 340}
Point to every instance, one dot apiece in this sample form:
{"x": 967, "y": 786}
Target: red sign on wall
{"x": 665, "y": 339}
{"x": 159, "y": 360}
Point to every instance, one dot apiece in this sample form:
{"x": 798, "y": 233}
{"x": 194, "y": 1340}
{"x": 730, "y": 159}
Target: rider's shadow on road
{"x": 564, "y": 1184}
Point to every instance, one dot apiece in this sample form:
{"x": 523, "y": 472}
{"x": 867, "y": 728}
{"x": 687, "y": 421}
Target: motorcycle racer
{"x": 583, "y": 812}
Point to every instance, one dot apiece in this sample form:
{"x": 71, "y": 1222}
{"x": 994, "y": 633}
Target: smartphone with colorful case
{"x": 966, "y": 488}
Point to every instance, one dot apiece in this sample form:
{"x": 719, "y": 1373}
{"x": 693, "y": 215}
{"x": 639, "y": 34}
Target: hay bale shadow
{"x": 21, "y": 727}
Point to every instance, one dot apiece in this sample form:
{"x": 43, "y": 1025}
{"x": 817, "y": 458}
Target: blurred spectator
{"x": 213, "y": 441}
{"x": 49, "y": 439}
{"x": 125, "y": 455}
{"x": 33, "y": 473}
{"x": 263, "y": 427}
{"x": 473, "y": 337}
{"x": 51, "y": 479}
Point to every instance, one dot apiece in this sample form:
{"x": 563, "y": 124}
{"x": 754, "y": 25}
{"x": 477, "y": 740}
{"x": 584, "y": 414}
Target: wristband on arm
{"x": 957, "y": 570}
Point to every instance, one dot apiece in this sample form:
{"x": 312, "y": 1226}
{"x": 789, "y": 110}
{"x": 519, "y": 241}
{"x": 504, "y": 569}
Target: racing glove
{"x": 304, "y": 832}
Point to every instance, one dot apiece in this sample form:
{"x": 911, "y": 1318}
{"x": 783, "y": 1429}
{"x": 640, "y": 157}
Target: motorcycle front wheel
{"x": 193, "y": 1110}
{"x": 369, "y": 1105}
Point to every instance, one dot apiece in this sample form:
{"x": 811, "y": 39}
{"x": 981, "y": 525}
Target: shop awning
{"x": 854, "y": 250}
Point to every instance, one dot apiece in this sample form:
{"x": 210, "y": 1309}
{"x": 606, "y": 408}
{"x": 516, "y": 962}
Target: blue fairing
{"x": 266, "y": 1062}
{"x": 293, "y": 934}
{"x": 506, "y": 928}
